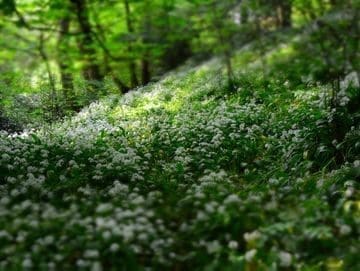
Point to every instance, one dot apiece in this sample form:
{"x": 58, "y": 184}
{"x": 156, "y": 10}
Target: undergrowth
{"x": 185, "y": 175}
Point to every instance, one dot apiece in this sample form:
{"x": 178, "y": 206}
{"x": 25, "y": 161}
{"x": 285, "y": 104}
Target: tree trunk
{"x": 63, "y": 62}
{"x": 244, "y": 14}
{"x": 54, "y": 107}
{"x": 285, "y": 13}
{"x": 145, "y": 70}
{"x": 260, "y": 46}
{"x": 145, "y": 62}
{"x": 132, "y": 64}
{"x": 45, "y": 58}
{"x": 333, "y": 2}
{"x": 229, "y": 69}
{"x": 120, "y": 84}
{"x": 91, "y": 69}
{"x": 225, "y": 41}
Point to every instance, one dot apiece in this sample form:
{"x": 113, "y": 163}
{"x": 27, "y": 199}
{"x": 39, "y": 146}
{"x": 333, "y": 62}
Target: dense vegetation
{"x": 238, "y": 149}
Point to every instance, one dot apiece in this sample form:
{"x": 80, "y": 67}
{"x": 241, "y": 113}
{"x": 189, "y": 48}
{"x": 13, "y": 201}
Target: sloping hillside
{"x": 188, "y": 174}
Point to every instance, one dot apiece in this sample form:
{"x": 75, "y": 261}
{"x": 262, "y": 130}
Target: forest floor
{"x": 186, "y": 174}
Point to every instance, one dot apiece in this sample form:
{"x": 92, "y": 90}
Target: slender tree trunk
{"x": 91, "y": 69}
{"x": 45, "y": 58}
{"x": 285, "y": 12}
{"x": 108, "y": 69}
{"x": 132, "y": 64}
{"x": 63, "y": 62}
{"x": 145, "y": 61}
{"x": 120, "y": 84}
{"x": 227, "y": 58}
{"x": 244, "y": 14}
{"x": 223, "y": 40}
{"x": 355, "y": 32}
{"x": 229, "y": 69}
{"x": 261, "y": 46}
{"x": 278, "y": 17}
{"x": 145, "y": 69}
{"x": 54, "y": 106}
{"x": 333, "y": 2}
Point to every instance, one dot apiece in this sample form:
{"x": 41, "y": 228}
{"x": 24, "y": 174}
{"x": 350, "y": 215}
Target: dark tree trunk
{"x": 54, "y": 107}
{"x": 91, "y": 70}
{"x": 227, "y": 54}
{"x": 132, "y": 64}
{"x": 120, "y": 84}
{"x": 108, "y": 69}
{"x": 285, "y": 13}
{"x": 45, "y": 58}
{"x": 145, "y": 70}
{"x": 333, "y": 2}
{"x": 63, "y": 62}
{"x": 244, "y": 14}
{"x": 224, "y": 40}
{"x": 145, "y": 61}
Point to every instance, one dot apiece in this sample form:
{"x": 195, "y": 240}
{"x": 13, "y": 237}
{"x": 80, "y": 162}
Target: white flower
{"x": 201, "y": 216}
{"x": 213, "y": 247}
{"x": 72, "y": 163}
{"x": 344, "y": 100}
{"x": 91, "y": 253}
{"x": 209, "y": 207}
{"x": 357, "y": 163}
{"x": 320, "y": 183}
{"x": 233, "y": 244}
{"x": 349, "y": 192}
{"x": 4, "y": 234}
{"x": 104, "y": 207}
{"x": 231, "y": 199}
{"x": 345, "y": 229}
{"x": 51, "y": 265}
{"x": 106, "y": 235}
{"x": 285, "y": 258}
{"x": 249, "y": 255}
{"x": 97, "y": 177}
{"x": 58, "y": 257}
{"x": 49, "y": 240}
{"x": 5, "y": 156}
{"x": 271, "y": 205}
{"x": 252, "y": 236}
{"x": 81, "y": 263}
{"x": 27, "y": 263}
{"x": 128, "y": 233}
{"x": 221, "y": 209}
{"x": 96, "y": 266}
{"x": 4, "y": 200}
{"x": 273, "y": 181}
{"x": 114, "y": 247}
